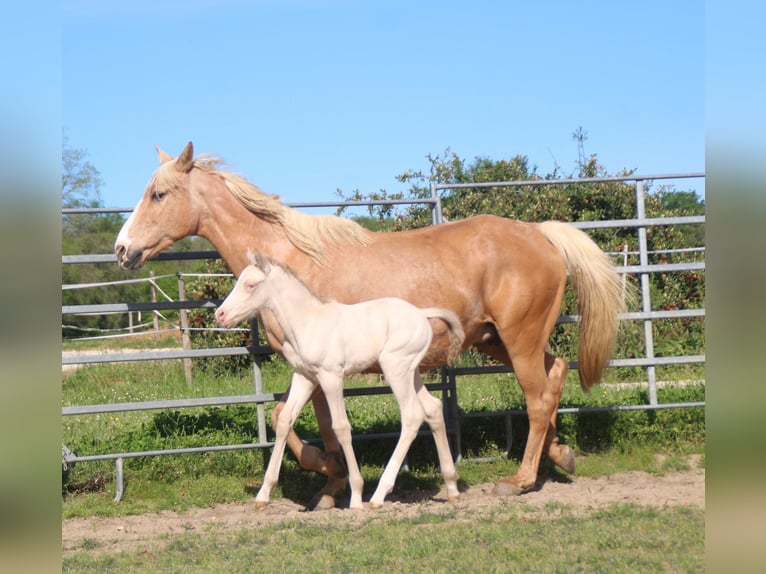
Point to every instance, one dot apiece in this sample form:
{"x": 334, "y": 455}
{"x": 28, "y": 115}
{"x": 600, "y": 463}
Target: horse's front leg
{"x": 330, "y": 463}
{"x": 300, "y": 391}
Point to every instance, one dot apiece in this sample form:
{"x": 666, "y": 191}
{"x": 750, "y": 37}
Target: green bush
{"x": 206, "y": 333}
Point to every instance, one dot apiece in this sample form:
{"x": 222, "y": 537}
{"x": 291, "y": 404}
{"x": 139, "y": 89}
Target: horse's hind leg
{"x": 541, "y": 408}
{"x": 556, "y": 372}
{"x": 562, "y": 455}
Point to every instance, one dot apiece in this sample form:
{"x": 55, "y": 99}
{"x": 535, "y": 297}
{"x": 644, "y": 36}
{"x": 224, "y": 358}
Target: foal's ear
{"x": 257, "y": 260}
{"x": 164, "y": 158}
{"x": 185, "y": 161}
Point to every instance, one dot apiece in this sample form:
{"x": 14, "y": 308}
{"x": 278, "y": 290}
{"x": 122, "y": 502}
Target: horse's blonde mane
{"x": 309, "y": 233}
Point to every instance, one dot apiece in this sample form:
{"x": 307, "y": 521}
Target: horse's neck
{"x": 291, "y": 302}
{"x": 233, "y": 230}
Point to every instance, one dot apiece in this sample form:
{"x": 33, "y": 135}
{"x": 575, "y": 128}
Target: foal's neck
{"x": 290, "y": 301}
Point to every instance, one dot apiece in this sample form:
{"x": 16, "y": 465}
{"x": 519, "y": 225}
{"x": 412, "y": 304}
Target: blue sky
{"x": 304, "y": 97}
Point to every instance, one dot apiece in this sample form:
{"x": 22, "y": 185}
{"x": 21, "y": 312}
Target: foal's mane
{"x": 309, "y": 233}
{"x": 263, "y": 263}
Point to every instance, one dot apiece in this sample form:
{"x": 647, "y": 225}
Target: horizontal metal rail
{"x": 259, "y": 398}
{"x": 559, "y": 182}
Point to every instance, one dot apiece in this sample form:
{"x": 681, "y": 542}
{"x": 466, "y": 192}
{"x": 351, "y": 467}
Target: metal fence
{"x": 449, "y": 376}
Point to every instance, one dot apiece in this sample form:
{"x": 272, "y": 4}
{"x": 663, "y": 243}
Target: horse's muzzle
{"x": 128, "y": 259}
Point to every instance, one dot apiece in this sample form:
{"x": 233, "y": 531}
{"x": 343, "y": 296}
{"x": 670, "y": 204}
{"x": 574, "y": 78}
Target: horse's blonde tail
{"x": 456, "y": 333}
{"x": 600, "y": 297}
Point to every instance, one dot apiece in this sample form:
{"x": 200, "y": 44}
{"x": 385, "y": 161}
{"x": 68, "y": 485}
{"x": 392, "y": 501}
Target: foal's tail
{"x": 600, "y": 297}
{"x": 456, "y": 333}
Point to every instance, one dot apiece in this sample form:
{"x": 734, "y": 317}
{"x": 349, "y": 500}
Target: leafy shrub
{"x": 205, "y": 331}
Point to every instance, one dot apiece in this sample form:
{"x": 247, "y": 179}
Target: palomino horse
{"x": 326, "y": 340}
{"x": 505, "y": 279}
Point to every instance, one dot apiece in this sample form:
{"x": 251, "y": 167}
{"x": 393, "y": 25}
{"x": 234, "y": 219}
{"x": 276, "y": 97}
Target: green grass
{"x": 622, "y": 538}
{"x": 605, "y": 442}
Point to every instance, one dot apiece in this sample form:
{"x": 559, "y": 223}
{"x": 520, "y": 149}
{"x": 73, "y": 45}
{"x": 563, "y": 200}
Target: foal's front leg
{"x": 330, "y": 462}
{"x": 300, "y": 391}
{"x": 332, "y": 385}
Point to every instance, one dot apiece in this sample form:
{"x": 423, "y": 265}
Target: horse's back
{"x": 446, "y": 265}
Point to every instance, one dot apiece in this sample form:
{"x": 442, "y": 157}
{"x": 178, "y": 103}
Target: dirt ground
{"x": 580, "y": 495}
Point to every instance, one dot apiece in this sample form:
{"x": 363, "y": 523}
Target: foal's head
{"x": 248, "y": 296}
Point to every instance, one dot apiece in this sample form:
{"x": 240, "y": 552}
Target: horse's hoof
{"x": 321, "y": 502}
{"x": 507, "y": 488}
{"x": 567, "y": 462}
{"x": 260, "y": 505}
{"x": 453, "y": 499}
{"x": 375, "y": 505}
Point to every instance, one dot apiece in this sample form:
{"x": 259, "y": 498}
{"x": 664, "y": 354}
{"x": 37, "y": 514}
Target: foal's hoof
{"x": 260, "y": 505}
{"x": 507, "y": 488}
{"x": 321, "y": 502}
{"x": 453, "y": 499}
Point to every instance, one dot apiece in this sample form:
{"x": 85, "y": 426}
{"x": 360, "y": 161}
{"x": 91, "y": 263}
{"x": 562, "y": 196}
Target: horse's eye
{"x": 158, "y": 195}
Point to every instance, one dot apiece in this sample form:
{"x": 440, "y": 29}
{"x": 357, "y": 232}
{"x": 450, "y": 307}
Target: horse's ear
{"x": 185, "y": 161}
{"x": 164, "y": 158}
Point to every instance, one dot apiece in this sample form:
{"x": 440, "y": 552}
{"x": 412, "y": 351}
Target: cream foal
{"x": 326, "y": 340}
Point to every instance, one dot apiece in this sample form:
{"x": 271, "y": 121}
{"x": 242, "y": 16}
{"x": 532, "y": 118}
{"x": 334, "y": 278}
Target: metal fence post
{"x": 258, "y": 380}
{"x": 646, "y": 298}
{"x": 451, "y": 410}
{"x": 155, "y": 314}
{"x": 185, "y": 337}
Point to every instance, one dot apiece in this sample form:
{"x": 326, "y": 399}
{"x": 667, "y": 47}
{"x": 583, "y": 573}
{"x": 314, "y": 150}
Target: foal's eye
{"x": 158, "y": 195}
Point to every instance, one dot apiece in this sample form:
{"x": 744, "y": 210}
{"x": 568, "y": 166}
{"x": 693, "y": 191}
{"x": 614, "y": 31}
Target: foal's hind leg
{"x": 432, "y": 407}
{"x": 401, "y": 380}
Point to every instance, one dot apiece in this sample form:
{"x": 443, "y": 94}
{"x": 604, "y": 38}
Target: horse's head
{"x": 163, "y": 215}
